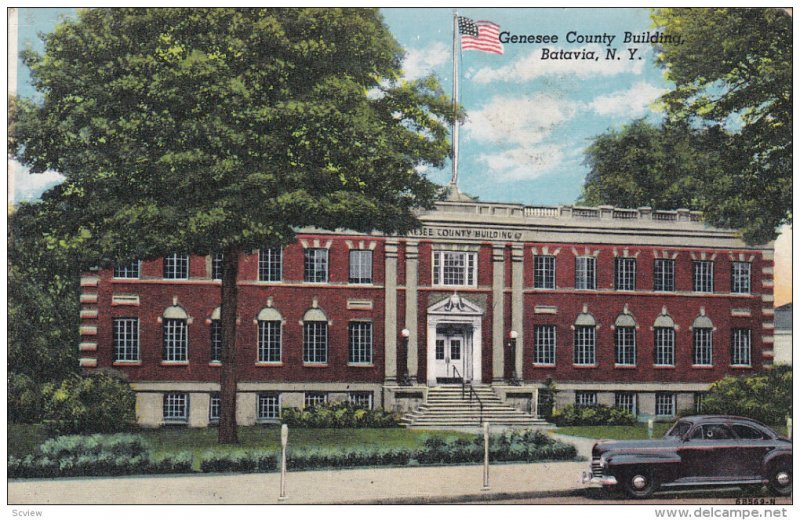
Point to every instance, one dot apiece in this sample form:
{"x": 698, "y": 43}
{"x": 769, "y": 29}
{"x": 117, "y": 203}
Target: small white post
{"x": 650, "y": 428}
{"x": 485, "y": 457}
{"x": 789, "y": 427}
{"x": 284, "y": 441}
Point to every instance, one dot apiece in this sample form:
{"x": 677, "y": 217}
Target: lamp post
{"x": 404, "y": 379}
{"x": 512, "y": 336}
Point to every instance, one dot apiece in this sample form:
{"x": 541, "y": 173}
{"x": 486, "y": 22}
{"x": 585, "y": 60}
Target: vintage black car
{"x": 703, "y": 450}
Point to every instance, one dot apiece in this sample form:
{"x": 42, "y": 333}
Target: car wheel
{"x": 639, "y": 483}
{"x": 780, "y": 480}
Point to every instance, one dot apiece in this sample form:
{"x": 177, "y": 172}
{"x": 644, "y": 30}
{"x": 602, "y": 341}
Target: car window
{"x": 712, "y": 432}
{"x": 680, "y": 428}
{"x": 748, "y": 432}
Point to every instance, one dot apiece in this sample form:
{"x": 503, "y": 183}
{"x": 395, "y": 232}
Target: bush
{"x": 328, "y": 458}
{"x": 122, "y": 444}
{"x": 764, "y": 396}
{"x": 339, "y": 414}
{"x": 97, "y": 403}
{"x": 547, "y": 400}
{"x": 594, "y": 415}
{"x": 25, "y": 400}
{"x": 511, "y": 446}
{"x": 241, "y": 462}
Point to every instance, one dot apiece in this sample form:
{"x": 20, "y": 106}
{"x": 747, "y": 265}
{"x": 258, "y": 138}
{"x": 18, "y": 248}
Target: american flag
{"x": 479, "y": 36}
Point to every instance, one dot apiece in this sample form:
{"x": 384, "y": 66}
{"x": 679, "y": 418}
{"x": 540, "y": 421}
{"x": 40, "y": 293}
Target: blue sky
{"x": 529, "y": 119}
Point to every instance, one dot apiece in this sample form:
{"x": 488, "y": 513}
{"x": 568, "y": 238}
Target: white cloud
{"x": 522, "y": 163}
{"x": 532, "y": 66}
{"x": 29, "y": 186}
{"x": 632, "y": 102}
{"x": 520, "y": 120}
{"x": 421, "y": 62}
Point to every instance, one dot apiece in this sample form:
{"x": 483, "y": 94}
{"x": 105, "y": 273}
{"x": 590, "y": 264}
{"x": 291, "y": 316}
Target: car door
{"x": 753, "y": 445}
{"x": 706, "y": 453}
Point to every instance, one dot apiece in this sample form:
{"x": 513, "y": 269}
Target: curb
{"x": 472, "y": 497}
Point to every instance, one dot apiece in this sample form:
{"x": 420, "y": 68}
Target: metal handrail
{"x": 472, "y": 393}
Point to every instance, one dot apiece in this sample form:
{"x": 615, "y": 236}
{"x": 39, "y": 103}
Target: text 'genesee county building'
{"x": 636, "y": 308}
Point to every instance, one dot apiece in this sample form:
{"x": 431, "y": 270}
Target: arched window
{"x": 585, "y": 346}
{"x": 216, "y": 336}
{"x": 315, "y": 336}
{"x": 702, "y": 341}
{"x": 269, "y": 322}
{"x": 625, "y": 340}
{"x": 664, "y": 340}
{"x": 176, "y": 334}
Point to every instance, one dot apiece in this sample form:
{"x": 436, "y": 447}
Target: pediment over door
{"x": 455, "y": 305}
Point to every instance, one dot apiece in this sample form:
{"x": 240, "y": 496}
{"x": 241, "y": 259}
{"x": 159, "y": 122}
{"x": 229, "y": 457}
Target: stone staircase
{"x": 445, "y": 407}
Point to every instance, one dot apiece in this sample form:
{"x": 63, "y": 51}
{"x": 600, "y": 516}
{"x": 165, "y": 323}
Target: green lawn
{"x": 639, "y": 431}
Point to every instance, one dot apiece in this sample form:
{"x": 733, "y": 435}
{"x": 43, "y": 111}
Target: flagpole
{"x": 454, "y": 178}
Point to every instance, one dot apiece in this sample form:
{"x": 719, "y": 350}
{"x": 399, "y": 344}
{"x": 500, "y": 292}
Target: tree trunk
{"x": 228, "y": 380}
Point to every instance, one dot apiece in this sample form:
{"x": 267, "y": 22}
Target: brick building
{"x": 637, "y": 308}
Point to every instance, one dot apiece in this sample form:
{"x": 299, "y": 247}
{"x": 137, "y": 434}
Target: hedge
{"x": 594, "y": 415}
{"x": 339, "y": 414}
{"x": 104, "y": 464}
{"x": 242, "y": 462}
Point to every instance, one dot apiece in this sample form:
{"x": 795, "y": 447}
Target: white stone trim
{"x": 124, "y": 299}
{"x": 767, "y": 270}
{"x": 354, "y": 304}
{"x": 741, "y": 312}
{"x": 768, "y": 339}
{"x": 88, "y": 314}
{"x": 88, "y": 330}
{"x": 89, "y": 298}
{"x": 545, "y": 309}
{"x": 90, "y": 281}
{"x": 625, "y": 386}
{"x": 87, "y": 346}
{"x": 87, "y": 362}
{"x": 470, "y": 315}
{"x": 767, "y": 298}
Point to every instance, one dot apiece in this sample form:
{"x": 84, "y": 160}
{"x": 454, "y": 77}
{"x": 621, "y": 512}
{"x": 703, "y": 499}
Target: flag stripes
{"x": 482, "y": 35}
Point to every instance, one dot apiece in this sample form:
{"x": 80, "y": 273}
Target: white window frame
{"x": 216, "y": 266}
{"x": 585, "y": 398}
{"x": 270, "y": 341}
{"x": 315, "y": 342}
{"x": 214, "y": 407}
{"x": 270, "y": 264}
{"x": 740, "y": 277}
{"x": 664, "y": 275}
{"x": 544, "y": 345}
{"x": 741, "y": 347}
{"x": 176, "y": 264}
{"x": 315, "y": 263}
{"x": 464, "y": 261}
{"x": 128, "y": 271}
{"x": 314, "y": 399}
{"x": 586, "y": 273}
{"x": 175, "y": 332}
{"x": 626, "y": 401}
{"x": 544, "y": 272}
{"x": 215, "y": 330}
{"x": 360, "y": 400}
{"x": 625, "y": 346}
{"x": 703, "y": 276}
{"x": 125, "y": 339}
{"x": 175, "y": 407}
{"x": 268, "y": 407}
{"x": 624, "y": 273}
{"x": 360, "y": 266}
{"x": 703, "y": 346}
{"x": 664, "y": 346}
{"x": 360, "y": 336}
{"x": 585, "y": 346}
{"x": 665, "y": 401}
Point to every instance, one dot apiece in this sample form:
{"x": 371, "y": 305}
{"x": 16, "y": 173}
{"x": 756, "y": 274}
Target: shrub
{"x": 97, "y": 403}
{"x": 339, "y": 414}
{"x": 547, "y": 399}
{"x": 328, "y": 458}
{"x": 122, "y": 444}
{"x": 764, "y": 396}
{"x": 241, "y": 462}
{"x": 25, "y": 400}
{"x": 514, "y": 445}
{"x": 594, "y": 415}
{"x": 96, "y": 464}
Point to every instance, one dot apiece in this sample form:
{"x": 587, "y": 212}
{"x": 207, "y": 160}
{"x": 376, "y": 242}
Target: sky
{"x": 529, "y": 119}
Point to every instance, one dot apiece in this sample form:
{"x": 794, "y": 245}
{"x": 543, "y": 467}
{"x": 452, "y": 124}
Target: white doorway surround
{"x": 454, "y": 340}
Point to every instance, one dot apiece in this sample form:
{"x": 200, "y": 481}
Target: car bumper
{"x": 588, "y": 479}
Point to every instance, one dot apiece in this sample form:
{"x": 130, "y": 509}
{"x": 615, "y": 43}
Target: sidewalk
{"x": 409, "y": 485}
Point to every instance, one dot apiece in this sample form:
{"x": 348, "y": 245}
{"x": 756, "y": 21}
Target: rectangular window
{"x": 703, "y": 276}
{"x": 216, "y": 341}
{"x": 216, "y": 266}
{"x": 699, "y": 400}
{"x": 454, "y": 268}
{"x": 176, "y": 344}
{"x": 126, "y": 339}
{"x": 664, "y": 348}
{"x": 313, "y": 399}
{"x": 269, "y": 407}
{"x": 740, "y": 347}
{"x": 625, "y": 274}
{"x": 740, "y": 277}
{"x": 360, "y": 351}
{"x": 665, "y": 404}
{"x": 176, "y": 267}
{"x": 544, "y": 351}
{"x": 315, "y": 342}
{"x": 439, "y": 349}
{"x": 585, "y": 275}
{"x": 270, "y": 264}
{"x": 584, "y": 353}
{"x": 585, "y": 398}
{"x": 701, "y": 346}
{"x": 130, "y": 270}
{"x": 360, "y": 266}
{"x": 664, "y": 275}
{"x": 315, "y": 265}
{"x": 269, "y": 341}
{"x": 176, "y": 408}
{"x": 360, "y": 400}
{"x": 544, "y": 272}
{"x": 625, "y": 401}
{"x": 625, "y": 346}
{"x": 213, "y": 408}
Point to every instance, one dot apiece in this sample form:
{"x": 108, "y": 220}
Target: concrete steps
{"x": 445, "y": 406}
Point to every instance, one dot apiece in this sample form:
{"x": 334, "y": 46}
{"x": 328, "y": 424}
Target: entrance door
{"x": 450, "y": 355}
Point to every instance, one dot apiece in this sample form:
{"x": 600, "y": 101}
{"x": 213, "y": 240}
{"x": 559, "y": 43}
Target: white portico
{"x": 454, "y": 340}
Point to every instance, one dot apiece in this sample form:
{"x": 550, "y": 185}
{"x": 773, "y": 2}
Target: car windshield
{"x": 679, "y": 430}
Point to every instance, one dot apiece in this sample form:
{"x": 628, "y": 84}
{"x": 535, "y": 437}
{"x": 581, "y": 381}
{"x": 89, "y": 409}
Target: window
{"x": 126, "y": 339}
{"x": 544, "y": 272}
{"x": 269, "y": 264}
{"x": 664, "y": 351}
{"x": 585, "y": 275}
{"x": 439, "y": 349}
{"x": 664, "y": 275}
{"x": 315, "y": 265}
{"x": 625, "y": 401}
{"x": 213, "y": 408}
{"x": 625, "y": 346}
{"x": 360, "y": 351}
{"x": 747, "y": 432}
{"x": 699, "y": 401}
{"x": 176, "y": 408}
{"x": 740, "y": 347}
{"x": 269, "y": 407}
{"x": 130, "y": 270}
{"x": 665, "y": 403}
{"x": 360, "y": 266}
{"x": 584, "y": 346}
{"x": 544, "y": 351}
{"x": 216, "y": 266}
{"x": 454, "y": 268}
{"x": 360, "y": 400}
{"x": 176, "y": 344}
{"x": 701, "y": 346}
{"x": 313, "y": 399}
{"x": 740, "y": 277}
{"x": 176, "y": 267}
{"x": 269, "y": 341}
{"x": 711, "y": 432}
{"x": 216, "y": 341}
{"x": 315, "y": 342}
{"x": 625, "y": 274}
{"x": 703, "y": 276}
{"x": 585, "y": 398}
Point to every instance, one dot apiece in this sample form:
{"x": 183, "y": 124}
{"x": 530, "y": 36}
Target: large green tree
{"x": 222, "y": 130}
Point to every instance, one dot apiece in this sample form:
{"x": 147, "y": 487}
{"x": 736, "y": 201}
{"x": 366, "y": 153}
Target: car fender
{"x": 775, "y": 456}
{"x": 628, "y": 459}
